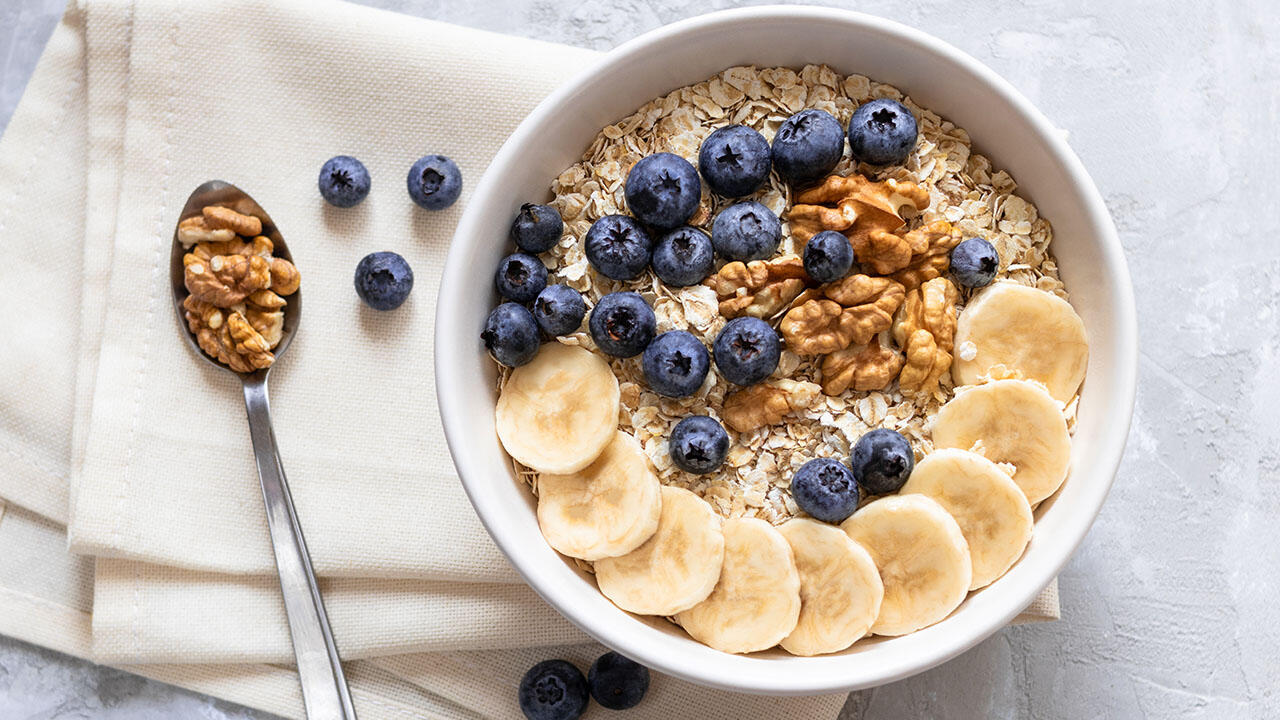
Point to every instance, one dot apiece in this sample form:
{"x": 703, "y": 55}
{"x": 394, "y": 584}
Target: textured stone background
{"x": 1170, "y": 608}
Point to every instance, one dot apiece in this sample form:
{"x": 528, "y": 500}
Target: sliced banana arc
{"x": 557, "y": 414}
{"x": 922, "y": 557}
{"x": 987, "y": 504}
{"x": 1013, "y": 421}
{"x": 840, "y": 588}
{"x": 756, "y": 602}
{"x": 675, "y": 569}
{"x": 607, "y": 509}
{"x": 1025, "y": 329}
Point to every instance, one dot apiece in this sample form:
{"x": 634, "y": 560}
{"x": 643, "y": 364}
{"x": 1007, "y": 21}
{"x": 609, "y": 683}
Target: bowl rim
{"x": 1107, "y": 454}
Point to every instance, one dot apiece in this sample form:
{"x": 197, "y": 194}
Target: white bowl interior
{"x": 1001, "y": 124}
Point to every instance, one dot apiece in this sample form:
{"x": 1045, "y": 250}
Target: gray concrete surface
{"x": 1170, "y": 608}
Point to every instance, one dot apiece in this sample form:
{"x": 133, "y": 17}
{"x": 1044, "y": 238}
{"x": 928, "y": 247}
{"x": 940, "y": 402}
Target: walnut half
{"x": 935, "y": 241}
{"x": 759, "y": 288}
{"x": 225, "y": 280}
{"x": 926, "y": 329}
{"x": 842, "y": 321}
{"x": 195, "y": 230}
{"x": 766, "y": 403}
{"x": 218, "y": 217}
{"x": 227, "y": 336}
{"x": 868, "y": 367}
{"x": 853, "y": 311}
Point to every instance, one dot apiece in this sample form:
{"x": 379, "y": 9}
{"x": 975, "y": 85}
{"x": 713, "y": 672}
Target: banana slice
{"x": 1025, "y": 329}
{"x": 922, "y": 556}
{"x": 557, "y": 414}
{"x": 990, "y": 509}
{"x": 607, "y": 509}
{"x": 756, "y": 603}
{"x": 676, "y": 568}
{"x": 1014, "y": 421}
{"x": 840, "y": 588}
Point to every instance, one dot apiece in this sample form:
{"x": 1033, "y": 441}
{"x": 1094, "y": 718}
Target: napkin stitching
{"x": 35, "y": 157}
{"x": 37, "y": 600}
{"x": 161, "y": 210}
{"x": 18, "y": 187}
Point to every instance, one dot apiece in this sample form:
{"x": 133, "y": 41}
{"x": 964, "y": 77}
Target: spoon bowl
{"x": 217, "y": 192}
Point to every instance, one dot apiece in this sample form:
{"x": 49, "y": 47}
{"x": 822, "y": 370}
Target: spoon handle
{"x": 324, "y": 687}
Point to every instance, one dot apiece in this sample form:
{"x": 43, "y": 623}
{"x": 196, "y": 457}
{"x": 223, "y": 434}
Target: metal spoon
{"x": 324, "y": 687}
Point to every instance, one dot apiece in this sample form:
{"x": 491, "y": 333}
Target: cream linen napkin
{"x": 167, "y": 474}
{"x": 463, "y": 615}
{"x": 45, "y": 598}
{"x": 45, "y": 217}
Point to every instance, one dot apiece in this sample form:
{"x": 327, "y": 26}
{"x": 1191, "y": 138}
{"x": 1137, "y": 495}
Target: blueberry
{"x": 559, "y": 310}
{"x": 828, "y": 256}
{"x": 807, "y": 146}
{"x": 617, "y": 682}
{"x": 520, "y": 277}
{"x": 622, "y": 324}
{"x": 882, "y": 132}
{"x": 663, "y": 190}
{"x": 511, "y": 334}
{"x": 434, "y": 182}
{"x": 344, "y": 181}
{"x": 746, "y": 231}
{"x": 734, "y": 160}
{"x": 537, "y": 228}
{"x": 747, "y": 350}
{"x": 882, "y": 460}
{"x": 974, "y": 263}
{"x": 825, "y": 489}
{"x": 553, "y": 690}
{"x": 383, "y": 280}
{"x": 683, "y": 257}
{"x": 698, "y": 444}
{"x": 675, "y": 364}
{"x": 618, "y": 247}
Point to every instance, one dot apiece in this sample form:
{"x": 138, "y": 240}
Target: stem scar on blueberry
{"x": 883, "y": 118}
{"x": 516, "y": 273}
{"x": 549, "y": 691}
{"x": 802, "y": 124}
{"x": 666, "y": 182}
{"x": 431, "y": 181}
{"x": 746, "y": 348}
{"x": 621, "y": 323}
{"x": 729, "y": 157}
{"x": 833, "y": 480}
{"x": 340, "y": 178}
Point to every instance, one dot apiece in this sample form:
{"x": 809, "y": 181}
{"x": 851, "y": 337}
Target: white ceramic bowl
{"x": 1002, "y": 124}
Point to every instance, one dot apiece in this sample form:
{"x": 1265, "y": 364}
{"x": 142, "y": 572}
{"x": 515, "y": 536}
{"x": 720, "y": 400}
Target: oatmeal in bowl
{"x": 809, "y": 362}
{"x": 785, "y": 396}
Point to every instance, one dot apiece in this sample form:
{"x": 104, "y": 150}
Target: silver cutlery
{"x": 324, "y": 687}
